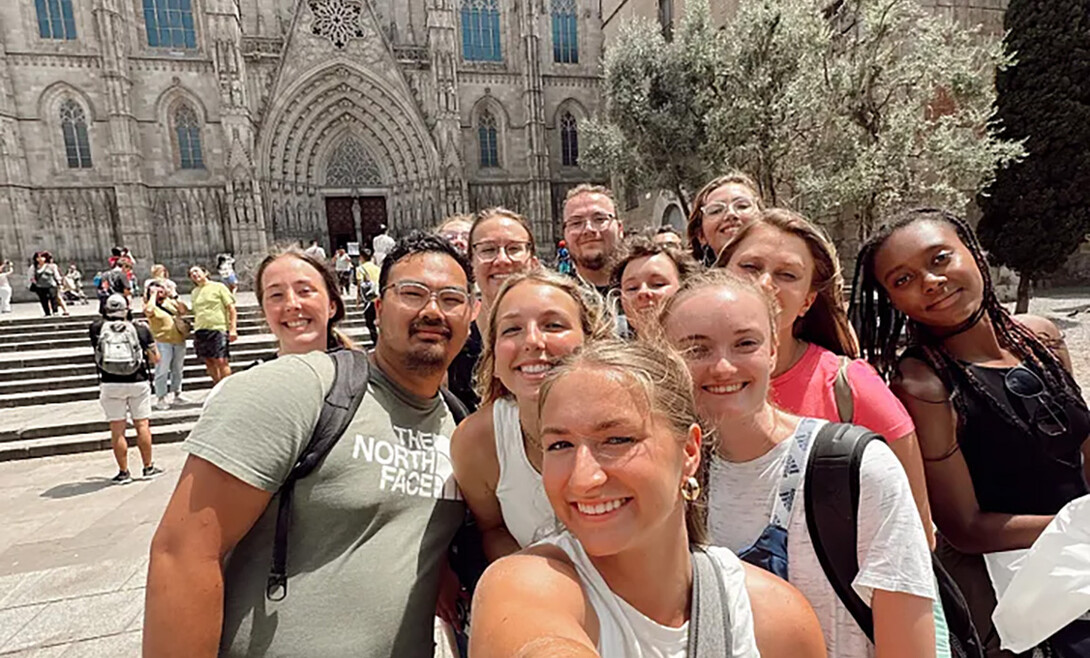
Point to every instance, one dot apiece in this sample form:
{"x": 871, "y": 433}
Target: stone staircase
{"x": 49, "y": 389}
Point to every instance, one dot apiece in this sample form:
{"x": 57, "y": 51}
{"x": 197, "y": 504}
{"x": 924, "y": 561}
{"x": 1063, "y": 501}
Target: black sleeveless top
{"x": 1015, "y": 471}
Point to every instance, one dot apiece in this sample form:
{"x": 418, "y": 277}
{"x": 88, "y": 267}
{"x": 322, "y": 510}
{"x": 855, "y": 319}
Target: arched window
{"x": 77, "y": 148}
{"x": 55, "y": 19}
{"x": 351, "y": 165}
{"x": 481, "y": 31}
{"x": 188, "y": 129}
{"x": 569, "y": 141}
{"x": 565, "y": 32}
{"x": 169, "y": 23}
{"x": 488, "y": 137}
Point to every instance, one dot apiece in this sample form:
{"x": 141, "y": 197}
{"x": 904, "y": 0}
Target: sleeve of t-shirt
{"x": 891, "y": 546}
{"x": 226, "y": 296}
{"x": 876, "y": 407}
{"x": 260, "y": 420}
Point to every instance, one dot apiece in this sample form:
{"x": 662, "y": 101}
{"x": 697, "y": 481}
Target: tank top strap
{"x": 507, "y": 431}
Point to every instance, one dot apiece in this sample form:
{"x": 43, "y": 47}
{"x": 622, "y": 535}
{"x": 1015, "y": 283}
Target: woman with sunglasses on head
{"x": 536, "y": 319}
{"x": 648, "y": 275}
{"x": 629, "y": 576}
{"x": 1002, "y": 424}
{"x": 499, "y": 243}
{"x": 817, "y": 373}
{"x": 720, "y": 209}
{"x": 725, "y": 327}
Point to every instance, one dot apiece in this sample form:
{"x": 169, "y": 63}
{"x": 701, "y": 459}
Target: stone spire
{"x": 443, "y": 51}
{"x": 537, "y": 154}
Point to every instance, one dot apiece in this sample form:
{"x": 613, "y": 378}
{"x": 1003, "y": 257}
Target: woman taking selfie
{"x": 629, "y": 576}
{"x": 535, "y": 320}
{"x": 1002, "y": 424}
{"x": 817, "y": 373}
{"x": 725, "y": 328}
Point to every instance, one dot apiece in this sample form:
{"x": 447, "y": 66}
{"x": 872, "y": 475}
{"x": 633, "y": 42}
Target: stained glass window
{"x": 77, "y": 147}
{"x": 170, "y": 23}
{"x": 569, "y": 140}
{"x": 487, "y": 134}
{"x": 481, "y": 31}
{"x": 55, "y": 19}
{"x": 188, "y": 129}
{"x": 565, "y": 32}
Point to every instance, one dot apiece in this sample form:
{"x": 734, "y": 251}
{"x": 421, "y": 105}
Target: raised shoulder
{"x": 784, "y": 624}
{"x": 529, "y": 604}
{"x": 917, "y": 379}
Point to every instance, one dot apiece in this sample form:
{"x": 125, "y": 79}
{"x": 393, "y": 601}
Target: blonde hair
{"x": 826, "y": 323}
{"x": 661, "y": 375}
{"x": 719, "y": 278}
{"x": 693, "y": 229}
{"x": 159, "y": 271}
{"x": 596, "y": 322}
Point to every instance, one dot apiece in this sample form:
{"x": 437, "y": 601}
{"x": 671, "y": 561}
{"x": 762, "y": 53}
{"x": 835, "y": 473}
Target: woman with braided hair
{"x": 1000, "y": 420}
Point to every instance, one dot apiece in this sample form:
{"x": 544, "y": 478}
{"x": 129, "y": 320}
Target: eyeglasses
{"x": 486, "y": 252}
{"x": 1049, "y": 417}
{"x": 416, "y": 296}
{"x": 718, "y": 208}
{"x": 596, "y": 222}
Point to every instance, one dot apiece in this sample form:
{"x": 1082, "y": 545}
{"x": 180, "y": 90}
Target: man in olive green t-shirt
{"x": 370, "y": 527}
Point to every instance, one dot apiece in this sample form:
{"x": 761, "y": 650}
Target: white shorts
{"x": 121, "y": 400}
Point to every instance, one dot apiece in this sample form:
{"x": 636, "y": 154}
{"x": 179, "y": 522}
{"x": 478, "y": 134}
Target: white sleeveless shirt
{"x": 625, "y": 632}
{"x": 520, "y": 491}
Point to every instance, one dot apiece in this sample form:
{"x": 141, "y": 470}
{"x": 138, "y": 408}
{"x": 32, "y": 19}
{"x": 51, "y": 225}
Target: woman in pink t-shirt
{"x": 795, "y": 260}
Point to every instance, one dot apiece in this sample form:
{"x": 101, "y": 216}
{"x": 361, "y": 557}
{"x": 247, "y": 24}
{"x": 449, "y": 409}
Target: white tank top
{"x": 525, "y": 507}
{"x": 625, "y": 632}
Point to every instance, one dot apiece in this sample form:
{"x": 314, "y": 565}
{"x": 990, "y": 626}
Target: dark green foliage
{"x": 1037, "y": 212}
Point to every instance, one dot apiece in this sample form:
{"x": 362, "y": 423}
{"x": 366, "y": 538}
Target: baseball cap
{"x": 116, "y": 305}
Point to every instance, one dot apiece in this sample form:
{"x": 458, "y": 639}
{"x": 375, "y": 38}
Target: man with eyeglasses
{"x": 593, "y": 234}
{"x": 370, "y": 527}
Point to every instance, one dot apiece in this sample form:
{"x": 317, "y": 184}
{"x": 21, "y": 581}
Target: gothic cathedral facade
{"x": 187, "y": 128}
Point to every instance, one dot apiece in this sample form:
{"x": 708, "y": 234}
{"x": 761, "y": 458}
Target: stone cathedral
{"x": 187, "y": 128}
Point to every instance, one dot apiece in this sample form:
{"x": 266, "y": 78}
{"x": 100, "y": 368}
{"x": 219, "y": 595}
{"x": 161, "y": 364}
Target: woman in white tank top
{"x": 618, "y": 583}
{"x": 535, "y": 319}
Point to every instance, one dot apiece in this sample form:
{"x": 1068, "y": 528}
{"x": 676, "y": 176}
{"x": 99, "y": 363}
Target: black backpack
{"x": 352, "y": 369}
{"x": 832, "y": 506}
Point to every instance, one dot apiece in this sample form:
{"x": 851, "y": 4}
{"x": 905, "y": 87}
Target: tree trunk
{"x": 1025, "y": 283}
{"x": 682, "y": 200}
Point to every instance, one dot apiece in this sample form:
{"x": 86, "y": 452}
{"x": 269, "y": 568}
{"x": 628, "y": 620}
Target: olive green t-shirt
{"x": 369, "y": 525}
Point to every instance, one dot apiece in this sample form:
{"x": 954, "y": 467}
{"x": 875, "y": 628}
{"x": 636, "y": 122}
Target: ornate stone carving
{"x": 351, "y": 165}
{"x": 337, "y": 20}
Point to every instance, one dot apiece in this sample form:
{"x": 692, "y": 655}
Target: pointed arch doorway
{"x": 355, "y": 196}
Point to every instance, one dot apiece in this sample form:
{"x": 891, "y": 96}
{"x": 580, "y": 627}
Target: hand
{"x": 450, "y": 592}
{"x": 232, "y": 336}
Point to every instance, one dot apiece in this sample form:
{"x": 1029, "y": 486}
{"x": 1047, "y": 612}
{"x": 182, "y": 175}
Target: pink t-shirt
{"x": 807, "y": 389}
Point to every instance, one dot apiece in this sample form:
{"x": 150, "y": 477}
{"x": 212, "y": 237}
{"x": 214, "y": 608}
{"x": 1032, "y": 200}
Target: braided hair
{"x": 880, "y": 325}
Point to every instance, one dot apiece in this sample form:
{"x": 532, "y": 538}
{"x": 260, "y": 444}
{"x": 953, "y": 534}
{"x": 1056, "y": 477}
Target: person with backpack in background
{"x": 359, "y": 572}
{"x": 760, "y": 489}
{"x": 1004, "y": 428}
{"x": 123, "y": 352}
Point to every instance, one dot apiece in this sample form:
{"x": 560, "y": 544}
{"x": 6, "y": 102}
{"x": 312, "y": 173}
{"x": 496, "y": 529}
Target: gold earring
{"x": 690, "y": 489}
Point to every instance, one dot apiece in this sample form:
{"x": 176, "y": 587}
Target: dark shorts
{"x": 211, "y": 344}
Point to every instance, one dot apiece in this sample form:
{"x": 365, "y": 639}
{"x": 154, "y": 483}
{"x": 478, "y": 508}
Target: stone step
{"x": 13, "y": 367}
{"x": 83, "y": 364}
{"x": 61, "y": 322}
{"x": 178, "y": 414}
{"x": 89, "y": 441}
{"x": 36, "y": 397}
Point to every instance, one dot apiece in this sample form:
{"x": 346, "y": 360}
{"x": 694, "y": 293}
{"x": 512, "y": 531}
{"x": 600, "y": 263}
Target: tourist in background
{"x": 367, "y": 276}
{"x": 668, "y": 236}
{"x": 225, "y": 263}
{"x": 166, "y": 318}
{"x": 72, "y": 285}
{"x": 316, "y": 250}
{"x": 115, "y": 281}
{"x": 722, "y": 207}
{"x": 342, "y": 264}
{"x": 6, "y": 268}
{"x": 381, "y": 245}
{"x": 160, "y": 275}
{"x": 215, "y": 322}
{"x": 45, "y": 280}
{"x": 593, "y": 234}
{"x": 456, "y": 229}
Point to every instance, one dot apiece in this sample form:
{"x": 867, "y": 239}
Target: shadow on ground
{"x": 70, "y": 489}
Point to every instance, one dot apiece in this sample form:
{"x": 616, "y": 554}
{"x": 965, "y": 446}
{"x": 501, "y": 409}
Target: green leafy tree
{"x": 1037, "y": 212}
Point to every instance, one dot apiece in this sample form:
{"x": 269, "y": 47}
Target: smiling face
{"x": 592, "y": 248}
{"x": 536, "y": 324}
{"x": 296, "y": 304}
{"x": 726, "y": 338}
{"x": 613, "y": 469}
{"x": 929, "y": 274}
{"x": 422, "y": 339}
{"x": 498, "y": 231}
{"x": 725, "y": 211}
{"x": 645, "y": 284}
{"x": 781, "y": 263}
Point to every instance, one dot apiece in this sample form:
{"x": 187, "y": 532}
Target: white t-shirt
{"x": 625, "y": 632}
{"x": 315, "y": 251}
{"x": 891, "y": 547}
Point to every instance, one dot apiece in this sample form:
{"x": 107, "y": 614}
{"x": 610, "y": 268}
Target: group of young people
{"x": 637, "y": 467}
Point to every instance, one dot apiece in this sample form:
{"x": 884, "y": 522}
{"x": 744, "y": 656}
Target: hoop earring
{"x": 690, "y": 489}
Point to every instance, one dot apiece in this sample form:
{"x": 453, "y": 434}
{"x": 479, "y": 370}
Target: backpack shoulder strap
{"x": 842, "y": 390}
{"x": 709, "y": 617}
{"x": 831, "y": 498}
{"x": 340, "y": 405}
